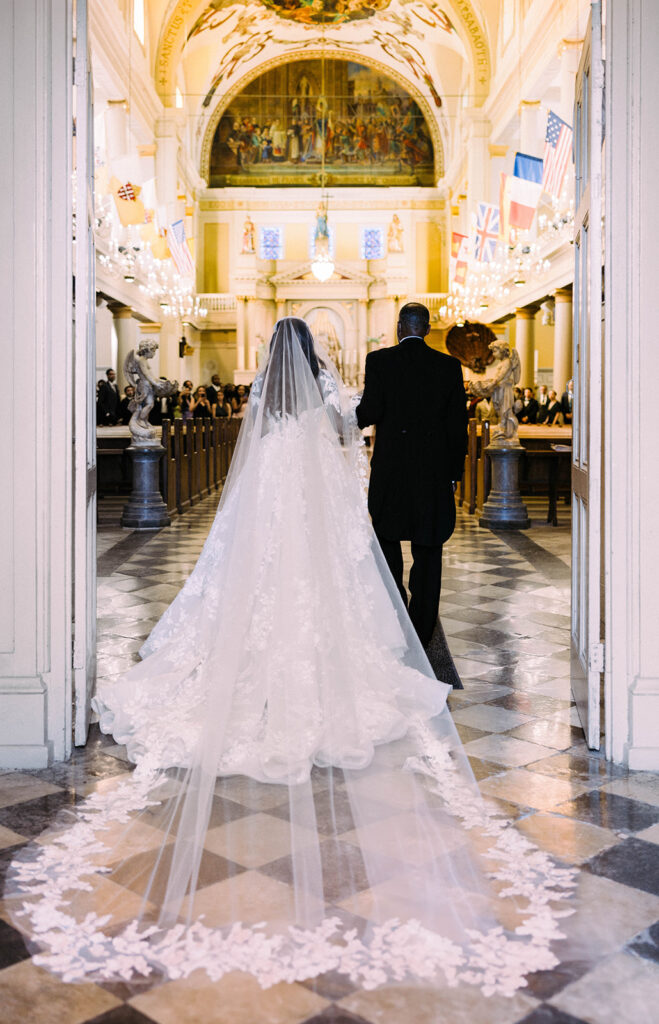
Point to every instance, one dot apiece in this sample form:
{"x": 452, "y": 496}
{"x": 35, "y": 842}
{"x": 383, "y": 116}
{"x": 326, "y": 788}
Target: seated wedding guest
{"x": 174, "y": 406}
{"x": 201, "y": 407}
{"x": 222, "y": 408}
{"x": 567, "y": 401}
{"x": 242, "y": 398}
{"x": 213, "y": 388}
{"x": 124, "y": 412}
{"x": 543, "y": 399}
{"x": 485, "y": 411}
{"x": 552, "y": 413}
{"x": 529, "y": 411}
{"x": 517, "y": 404}
{"x": 160, "y": 410}
{"x": 108, "y": 400}
{"x": 230, "y": 394}
{"x": 186, "y": 402}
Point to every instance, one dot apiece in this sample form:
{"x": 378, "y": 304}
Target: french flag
{"x": 525, "y": 190}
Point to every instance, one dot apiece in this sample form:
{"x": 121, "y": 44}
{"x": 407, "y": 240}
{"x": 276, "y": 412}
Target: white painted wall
{"x": 631, "y": 547}
{"x": 36, "y": 456}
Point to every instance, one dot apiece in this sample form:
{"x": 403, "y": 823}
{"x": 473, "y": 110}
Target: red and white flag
{"x": 459, "y": 257}
{"x": 558, "y": 151}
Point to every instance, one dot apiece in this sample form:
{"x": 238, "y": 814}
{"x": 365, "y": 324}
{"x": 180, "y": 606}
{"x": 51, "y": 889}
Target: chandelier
{"x": 322, "y": 266}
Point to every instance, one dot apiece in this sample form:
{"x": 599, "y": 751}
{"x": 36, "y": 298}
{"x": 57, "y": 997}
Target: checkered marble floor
{"x": 505, "y": 612}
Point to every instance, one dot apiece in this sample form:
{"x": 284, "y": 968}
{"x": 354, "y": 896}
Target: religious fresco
{"x": 304, "y": 12}
{"x": 368, "y": 128}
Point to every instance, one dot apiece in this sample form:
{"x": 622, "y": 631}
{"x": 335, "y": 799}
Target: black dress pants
{"x": 425, "y": 582}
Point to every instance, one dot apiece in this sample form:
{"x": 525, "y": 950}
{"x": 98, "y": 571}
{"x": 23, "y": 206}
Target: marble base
{"x": 145, "y": 509}
{"x": 504, "y": 508}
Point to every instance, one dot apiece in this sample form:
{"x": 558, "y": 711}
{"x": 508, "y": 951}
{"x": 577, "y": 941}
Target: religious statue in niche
{"x": 249, "y": 239}
{"x": 395, "y": 235}
{"x": 147, "y": 389}
{"x": 500, "y": 388}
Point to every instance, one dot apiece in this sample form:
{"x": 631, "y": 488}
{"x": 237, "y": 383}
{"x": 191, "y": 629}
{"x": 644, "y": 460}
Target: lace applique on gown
{"x": 284, "y": 703}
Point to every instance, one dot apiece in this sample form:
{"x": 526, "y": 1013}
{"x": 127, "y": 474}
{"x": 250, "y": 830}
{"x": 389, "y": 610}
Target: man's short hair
{"x": 414, "y": 316}
{"x": 108, "y": 371}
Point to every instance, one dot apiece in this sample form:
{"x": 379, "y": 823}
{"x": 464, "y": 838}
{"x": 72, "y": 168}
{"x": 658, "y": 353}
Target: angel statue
{"x": 147, "y": 389}
{"x": 499, "y": 388}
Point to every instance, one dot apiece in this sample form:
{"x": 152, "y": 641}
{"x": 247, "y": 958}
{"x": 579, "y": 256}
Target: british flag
{"x": 558, "y": 149}
{"x": 127, "y": 192}
{"x": 487, "y": 232}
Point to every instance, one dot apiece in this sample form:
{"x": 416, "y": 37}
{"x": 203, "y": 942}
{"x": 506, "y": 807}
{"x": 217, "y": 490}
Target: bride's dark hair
{"x": 304, "y": 336}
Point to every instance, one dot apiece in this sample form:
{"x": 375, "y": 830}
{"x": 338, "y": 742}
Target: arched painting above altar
{"x": 274, "y": 132}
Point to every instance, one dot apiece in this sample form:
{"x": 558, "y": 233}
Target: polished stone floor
{"x": 505, "y": 612}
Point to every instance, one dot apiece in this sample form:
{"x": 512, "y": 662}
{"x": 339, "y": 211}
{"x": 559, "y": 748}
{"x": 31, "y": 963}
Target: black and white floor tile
{"x": 505, "y": 613}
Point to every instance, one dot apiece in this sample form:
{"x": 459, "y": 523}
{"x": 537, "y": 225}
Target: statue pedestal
{"x": 504, "y": 508}
{"x": 145, "y": 509}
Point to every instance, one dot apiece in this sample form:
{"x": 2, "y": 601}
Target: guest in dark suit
{"x": 529, "y": 411}
{"x": 124, "y": 412}
{"x": 419, "y": 453}
{"x": 213, "y": 389}
{"x": 567, "y": 400}
{"x": 108, "y": 400}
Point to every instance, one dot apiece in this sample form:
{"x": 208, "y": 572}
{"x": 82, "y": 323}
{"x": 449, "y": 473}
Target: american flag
{"x": 487, "y": 232}
{"x": 179, "y": 249}
{"x": 558, "y": 149}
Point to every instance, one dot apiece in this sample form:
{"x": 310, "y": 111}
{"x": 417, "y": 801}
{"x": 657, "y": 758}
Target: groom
{"x": 415, "y": 397}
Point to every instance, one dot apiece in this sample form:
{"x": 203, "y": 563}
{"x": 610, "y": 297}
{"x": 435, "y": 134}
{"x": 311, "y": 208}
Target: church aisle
{"x": 505, "y": 612}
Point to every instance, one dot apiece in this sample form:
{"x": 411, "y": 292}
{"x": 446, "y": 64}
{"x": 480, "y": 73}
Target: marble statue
{"x": 249, "y": 241}
{"x": 147, "y": 389}
{"x": 499, "y": 388}
{"x": 395, "y": 235}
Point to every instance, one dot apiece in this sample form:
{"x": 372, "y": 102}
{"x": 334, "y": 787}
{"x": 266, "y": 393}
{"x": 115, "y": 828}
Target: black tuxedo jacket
{"x": 415, "y": 397}
{"x": 108, "y": 403}
{"x": 528, "y": 413}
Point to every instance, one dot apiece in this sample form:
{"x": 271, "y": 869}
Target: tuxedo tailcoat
{"x": 415, "y": 397}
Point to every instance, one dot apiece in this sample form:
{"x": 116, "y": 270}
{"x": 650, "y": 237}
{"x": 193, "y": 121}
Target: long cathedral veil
{"x": 301, "y": 801}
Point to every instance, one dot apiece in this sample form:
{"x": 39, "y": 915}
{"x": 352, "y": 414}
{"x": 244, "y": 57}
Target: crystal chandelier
{"x": 322, "y": 266}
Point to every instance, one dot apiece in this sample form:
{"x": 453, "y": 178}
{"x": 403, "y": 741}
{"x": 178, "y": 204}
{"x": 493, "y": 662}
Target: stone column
{"x": 116, "y": 129}
{"x": 151, "y": 332}
{"x": 478, "y": 163}
{"x": 39, "y": 552}
{"x": 126, "y": 337}
{"x": 167, "y": 146}
{"x": 525, "y": 343}
{"x": 531, "y": 132}
{"x": 562, "y": 338}
{"x": 362, "y": 335}
{"x": 250, "y": 331}
{"x": 569, "y": 52}
{"x": 281, "y": 308}
{"x": 240, "y": 332}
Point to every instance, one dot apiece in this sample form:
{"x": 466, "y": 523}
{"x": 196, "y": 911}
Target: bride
{"x": 300, "y": 801}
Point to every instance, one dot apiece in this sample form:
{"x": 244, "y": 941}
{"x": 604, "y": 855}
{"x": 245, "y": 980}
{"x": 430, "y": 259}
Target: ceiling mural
{"x": 303, "y": 12}
{"x": 289, "y": 122}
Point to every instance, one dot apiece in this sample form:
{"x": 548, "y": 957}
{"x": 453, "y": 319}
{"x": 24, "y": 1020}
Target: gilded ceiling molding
{"x": 173, "y": 37}
{"x": 477, "y": 43}
{"x": 308, "y": 54}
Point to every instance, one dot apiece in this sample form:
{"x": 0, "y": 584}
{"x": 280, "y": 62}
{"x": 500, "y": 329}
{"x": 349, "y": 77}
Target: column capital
{"x": 563, "y": 294}
{"x": 526, "y": 312}
{"x": 152, "y": 328}
{"x": 495, "y": 150}
{"x": 119, "y": 311}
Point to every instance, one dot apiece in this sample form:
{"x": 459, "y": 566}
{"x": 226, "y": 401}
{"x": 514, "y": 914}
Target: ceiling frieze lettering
{"x": 404, "y": 30}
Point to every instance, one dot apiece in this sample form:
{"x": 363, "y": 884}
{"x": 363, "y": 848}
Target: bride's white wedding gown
{"x": 289, "y": 661}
